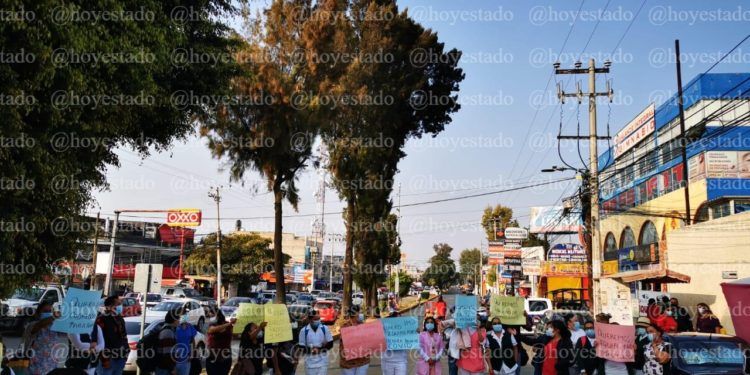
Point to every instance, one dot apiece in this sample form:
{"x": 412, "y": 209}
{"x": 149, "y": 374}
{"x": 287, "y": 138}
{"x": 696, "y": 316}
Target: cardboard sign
{"x": 78, "y": 311}
{"x": 466, "y": 311}
{"x": 248, "y": 313}
{"x": 279, "y": 328}
{"x": 508, "y": 308}
{"x": 363, "y": 340}
{"x": 401, "y": 333}
{"x": 615, "y": 342}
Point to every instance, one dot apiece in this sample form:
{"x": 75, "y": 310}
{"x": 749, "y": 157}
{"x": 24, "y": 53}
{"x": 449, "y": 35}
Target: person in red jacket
{"x": 441, "y": 308}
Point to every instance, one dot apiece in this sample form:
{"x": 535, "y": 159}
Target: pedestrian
{"x": 559, "y": 356}
{"x": 116, "y": 349}
{"x": 441, "y": 308}
{"x": 612, "y": 367}
{"x": 358, "y": 363}
{"x": 537, "y": 344}
{"x": 576, "y": 332}
{"x": 168, "y": 350}
{"x": 392, "y": 305}
{"x": 641, "y": 340}
{"x": 251, "y": 350}
{"x": 316, "y": 340}
{"x": 41, "y": 342}
{"x": 185, "y": 340}
{"x": 219, "y": 360}
{"x": 283, "y": 358}
{"x": 471, "y": 360}
{"x": 682, "y": 316}
{"x": 707, "y": 322}
{"x": 394, "y": 362}
{"x": 84, "y": 350}
{"x": 430, "y": 349}
{"x": 449, "y": 331}
{"x": 585, "y": 350}
{"x": 657, "y": 353}
{"x": 503, "y": 353}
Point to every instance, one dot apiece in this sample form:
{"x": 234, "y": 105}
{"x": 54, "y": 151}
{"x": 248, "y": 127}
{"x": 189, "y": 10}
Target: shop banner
{"x": 466, "y": 311}
{"x": 567, "y": 252}
{"x": 615, "y": 342}
{"x": 78, "y": 311}
{"x": 363, "y": 340}
{"x": 609, "y": 267}
{"x": 401, "y": 332}
{"x": 531, "y": 267}
{"x": 509, "y": 309}
{"x": 564, "y": 269}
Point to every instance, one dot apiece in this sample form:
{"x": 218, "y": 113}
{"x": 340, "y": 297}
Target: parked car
{"x": 151, "y": 300}
{"x": 133, "y": 330}
{"x": 315, "y": 292}
{"x": 267, "y": 297}
{"x": 335, "y": 299}
{"x": 180, "y": 292}
{"x": 290, "y": 299}
{"x": 305, "y": 299}
{"x": 298, "y": 315}
{"x": 18, "y": 309}
{"x": 535, "y": 309}
{"x": 358, "y": 299}
{"x": 325, "y": 296}
{"x": 327, "y": 310}
{"x": 706, "y": 353}
{"x": 130, "y": 306}
{"x": 231, "y": 305}
{"x": 196, "y": 314}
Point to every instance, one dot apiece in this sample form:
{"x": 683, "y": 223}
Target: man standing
{"x": 684, "y": 322}
{"x": 167, "y": 352}
{"x": 576, "y": 332}
{"x": 315, "y": 339}
{"x": 116, "y": 349}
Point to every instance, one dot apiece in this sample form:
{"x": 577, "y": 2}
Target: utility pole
{"x": 398, "y": 265}
{"x": 593, "y": 254}
{"x": 216, "y": 195}
{"x": 683, "y": 141}
{"x": 92, "y": 285}
{"x": 108, "y": 280}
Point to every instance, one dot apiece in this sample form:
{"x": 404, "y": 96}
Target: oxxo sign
{"x": 184, "y": 217}
{"x": 516, "y": 234}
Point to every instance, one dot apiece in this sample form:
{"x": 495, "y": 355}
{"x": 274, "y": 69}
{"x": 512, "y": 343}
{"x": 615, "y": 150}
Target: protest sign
{"x": 401, "y": 333}
{"x": 279, "y": 328}
{"x": 363, "y": 340}
{"x": 615, "y": 342}
{"x": 466, "y": 311}
{"x": 248, "y": 313}
{"x": 78, "y": 311}
{"x": 508, "y": 308}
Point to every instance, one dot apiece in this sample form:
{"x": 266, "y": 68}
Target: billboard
{"x": 564, "y": 269}
{"x": 531, "y": 266}
{"x": 184, "y": 217}
{"x": 554, "y": 219}
{"x": 567, "y": 252}
{"x": 635, "y": 131}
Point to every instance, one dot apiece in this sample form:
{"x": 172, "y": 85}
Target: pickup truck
{"x": 18, "y": 309}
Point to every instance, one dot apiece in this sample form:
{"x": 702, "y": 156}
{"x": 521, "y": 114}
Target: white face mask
{"x": 702, "y": 310}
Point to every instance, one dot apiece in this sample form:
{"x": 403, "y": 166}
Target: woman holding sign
{"x": 430, "y": 349}
{"x": 42, "y": 341}
{"x": 359, "y": 364}
{"x": 503, "y": 349}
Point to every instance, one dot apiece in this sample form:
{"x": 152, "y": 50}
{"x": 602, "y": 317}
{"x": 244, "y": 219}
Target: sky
{"x": 505, "y": 132}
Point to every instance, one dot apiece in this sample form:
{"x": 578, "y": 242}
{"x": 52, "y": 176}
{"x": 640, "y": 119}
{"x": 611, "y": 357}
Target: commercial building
{"x": 646, "y": 244}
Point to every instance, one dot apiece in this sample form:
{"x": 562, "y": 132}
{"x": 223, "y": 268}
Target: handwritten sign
{"x": 466, "y": 311}
{"x": 401, "y": 333}
{"x": 615, "y": 342}
{"x": 279, "y": 328}
{"x": 363, "y": 340}
{"x": 508, "y": 308}
{"x": 78, "y": 311}
{"x": 248, "y": 313}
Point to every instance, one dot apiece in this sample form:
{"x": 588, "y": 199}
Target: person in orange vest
{"x": 441, "y": 308}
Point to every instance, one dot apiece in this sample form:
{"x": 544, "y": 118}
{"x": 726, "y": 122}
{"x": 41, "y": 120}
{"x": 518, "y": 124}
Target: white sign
{"x": 554, "y": 220}
{"x": 635, "y": 131}
{"x": 644, "y": 296}
{"x": 516, "y": 233}
{"x": 531, "y": 266}
{"x": 140, "y": 282}
{"x": 102, "y": 262}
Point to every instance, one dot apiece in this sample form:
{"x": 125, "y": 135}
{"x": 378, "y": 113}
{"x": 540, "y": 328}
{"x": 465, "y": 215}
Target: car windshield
{"x": 134, "y": 328}
{"x": 304, "y": 296}
{"x": 167, "y": 306}
{"x": 298, "y": 309}
{"x": 235, "y": 301}
{"x": 323, "y": 305}
{"x": 28, "y": 294}
{"x": 711, "y": 353}
{"x": 191, "y": 293}
{"x": 536, "y": 306}
{"x": 153, "y": 297}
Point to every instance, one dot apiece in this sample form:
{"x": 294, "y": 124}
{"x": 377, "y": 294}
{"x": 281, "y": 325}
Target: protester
{"x": 394, "y": 362}
{"x": 116, "y": 349}
{"x": 185, "y": 339}
{"x": 84, "y": 350}
{"x": 660, "y": 315}
{"x": 471, "y": 358}
{"x": 441, "y": 308}
{"x": 41, "y": 342}
{"x": 657, "y": 353}
{"x": 504, "y": 357}
{"x": 283, "y": 358}
{"x": 251, "y": 353}
{"x": 707, "y": 322}
{"x": 316, "y": 340}
{"x": 682, "y": 316}
{"x": 585, "y": 350}
{"x": 558, "y": 352}
{"x": 219, "y": 360}
{"x": 537, "y": 344}
{"x": 576, "y": 332}
{"x": 612, "y": 367}
{"x": 392, "y": 305}
{"x": 168, "y": 350}
{"x": 430, "y": 349}
{"x": 360, "y": 364}
{"x": 641, "y": 340}
{"x": 449, "y": 331}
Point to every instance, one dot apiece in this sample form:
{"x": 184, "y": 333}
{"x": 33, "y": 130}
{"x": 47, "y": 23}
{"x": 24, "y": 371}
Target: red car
{"x": 130, "y": 306}
{"x": 327, "y": 311}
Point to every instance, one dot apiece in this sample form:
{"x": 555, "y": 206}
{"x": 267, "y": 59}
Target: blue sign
{"x": 466, "y": 311}
{"x": 625, "y": 260}
{"x": 78, "y": 311}
{"x": 401, "y": 333}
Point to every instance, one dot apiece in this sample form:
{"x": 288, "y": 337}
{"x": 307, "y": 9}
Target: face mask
{"x": 118, "y": 309}
{"x": 184, "y": 319}
{"x": 669, "y": 313}
{"x": 482, "y": 317}
{"x": 45, "y": 315}
{"x": 591, "y": 333}
{"x": 497, "y": 327}
{"x": 641, "y": 332}
{"x": 650, "y": 337}
{"x": 701, "y": 310}
{"x": 314, "y": 324}
{"x": 429, "y": 327}
{"x": 361, "y": 318}
{"x": 259, "y": 335}
{"x": 576, "y": 326}
{"x": 550, "y": 332}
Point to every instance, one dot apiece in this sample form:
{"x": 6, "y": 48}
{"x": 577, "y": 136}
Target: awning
{"x": 664, "y": 276}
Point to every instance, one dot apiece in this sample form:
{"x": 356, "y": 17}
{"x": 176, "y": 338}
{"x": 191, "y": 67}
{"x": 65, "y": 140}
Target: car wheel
{"x": 202, "y": 324}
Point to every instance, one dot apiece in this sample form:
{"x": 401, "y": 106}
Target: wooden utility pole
{"x": 683, "y": 140}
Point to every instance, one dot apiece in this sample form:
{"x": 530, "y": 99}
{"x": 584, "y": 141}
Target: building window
{"x": 741, "y": 205}
{"x": 648, "y": 234}
{"x": 610, "y": 244}
{"x": 702, "y": 214}
{"x": 720, "y": 210}
{"x": 627, "y": 239}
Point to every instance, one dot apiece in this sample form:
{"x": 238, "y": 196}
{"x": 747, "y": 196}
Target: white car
{"x": 196, "y": 314}
{"x": 535, "y": 309}
{"x": 133, "y": 330}
{"x": 358, "y": 299}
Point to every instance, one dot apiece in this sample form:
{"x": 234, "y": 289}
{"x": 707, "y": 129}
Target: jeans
{"x": 453, "y": 367}
{"x": 361, "y": 370}
{"x": 115, "y": 367}
{"x": 323, "y": 370}
{"x": 161, "y": 371}
{"x": 393, "y": 368}
{"x": 182, "y": 368}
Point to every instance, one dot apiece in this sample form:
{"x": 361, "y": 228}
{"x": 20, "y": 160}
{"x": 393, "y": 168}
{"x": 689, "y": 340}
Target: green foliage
{"x": 404, "y": 283}
{"x": 496, "y": 217}
{"x": 442, "y": 269}
{"x": 70, "y": 115}
{"x": 471, "y": 261}
{"x": 492, "y": 276}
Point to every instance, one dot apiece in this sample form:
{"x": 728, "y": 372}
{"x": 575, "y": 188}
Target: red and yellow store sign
{"x": 564, "y": 269}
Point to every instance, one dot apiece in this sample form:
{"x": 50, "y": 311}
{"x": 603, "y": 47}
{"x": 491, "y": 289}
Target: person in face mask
{"x": 316, "y": 340}
{"x": 42, "y": 341}
{"x": 357, "y": 363}
{"x": 707, "y": 322}
{"x": 252, "y": 349}
{"x": 576, "y": 332}
{"x": 430, "y": 349}
{"x": 641, "y": 340}
{"x": 472, "y": 360}
{"x": 656, "y": 353}
{"x": 502, "y": 347}
{"x": 185, "y": 339}
{"x": 219, "y": 360}
{"x": 116, "y": 348}
{"x": 559, "y": 355}
{"x": 537, "y": 344}
{"x": 586, "y": 359}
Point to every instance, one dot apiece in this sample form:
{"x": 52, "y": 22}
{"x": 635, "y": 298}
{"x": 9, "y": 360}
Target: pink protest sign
{"x": 615, "y": 342}
{"x": 362, "y": 340}
{"x": 736, "y": 294}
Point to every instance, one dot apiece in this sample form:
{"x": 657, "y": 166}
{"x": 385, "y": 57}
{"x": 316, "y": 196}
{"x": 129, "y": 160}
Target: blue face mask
{"x": 650, "y": 337}
{"x": 315, "y": 323}
{"x": 550, "y": 332}
{"x": 361, "y": 318}
{"x": 118, "y": 309}
{"x": 429, "y": 327}
{"x": 641, "y": 331}
{"x": 591, "y": 333}
{"x": 497, "y": 327}
{"x": 45, "y": 315}
{"x": 576, "y": 326}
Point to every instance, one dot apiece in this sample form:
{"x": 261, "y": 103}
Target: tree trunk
{"x": 278, "y": 255}
{"x": 348, "y": 258}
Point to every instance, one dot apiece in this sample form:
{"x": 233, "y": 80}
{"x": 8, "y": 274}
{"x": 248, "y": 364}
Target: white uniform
{"x": 315, "y": 364}
{"x": 394, "y": 362}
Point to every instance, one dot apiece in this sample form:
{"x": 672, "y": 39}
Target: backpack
{"x": 148, "y": 351}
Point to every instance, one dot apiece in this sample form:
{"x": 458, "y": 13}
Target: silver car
{"x": 133, "y": 330}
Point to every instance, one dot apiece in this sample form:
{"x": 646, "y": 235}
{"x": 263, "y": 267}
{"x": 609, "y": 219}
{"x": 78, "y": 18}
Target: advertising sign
{"x": 564, "y": 269}
{"x": 721, "y": 164}
{"x": 494, "y": 260}
{"x": 554, "y": 219}
{"x": 184, "y": 217}
{"x": 531, "y": 266}
{"x": 635, "y": 131}
{"x": 516, "y": 234}
{"x": 567, "y": 252}
{"x": 697, "y": 167}
{"x": 609, "y": 267}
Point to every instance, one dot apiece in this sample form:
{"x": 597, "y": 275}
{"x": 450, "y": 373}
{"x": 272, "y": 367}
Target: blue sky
{"x": 505, "y": 132}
